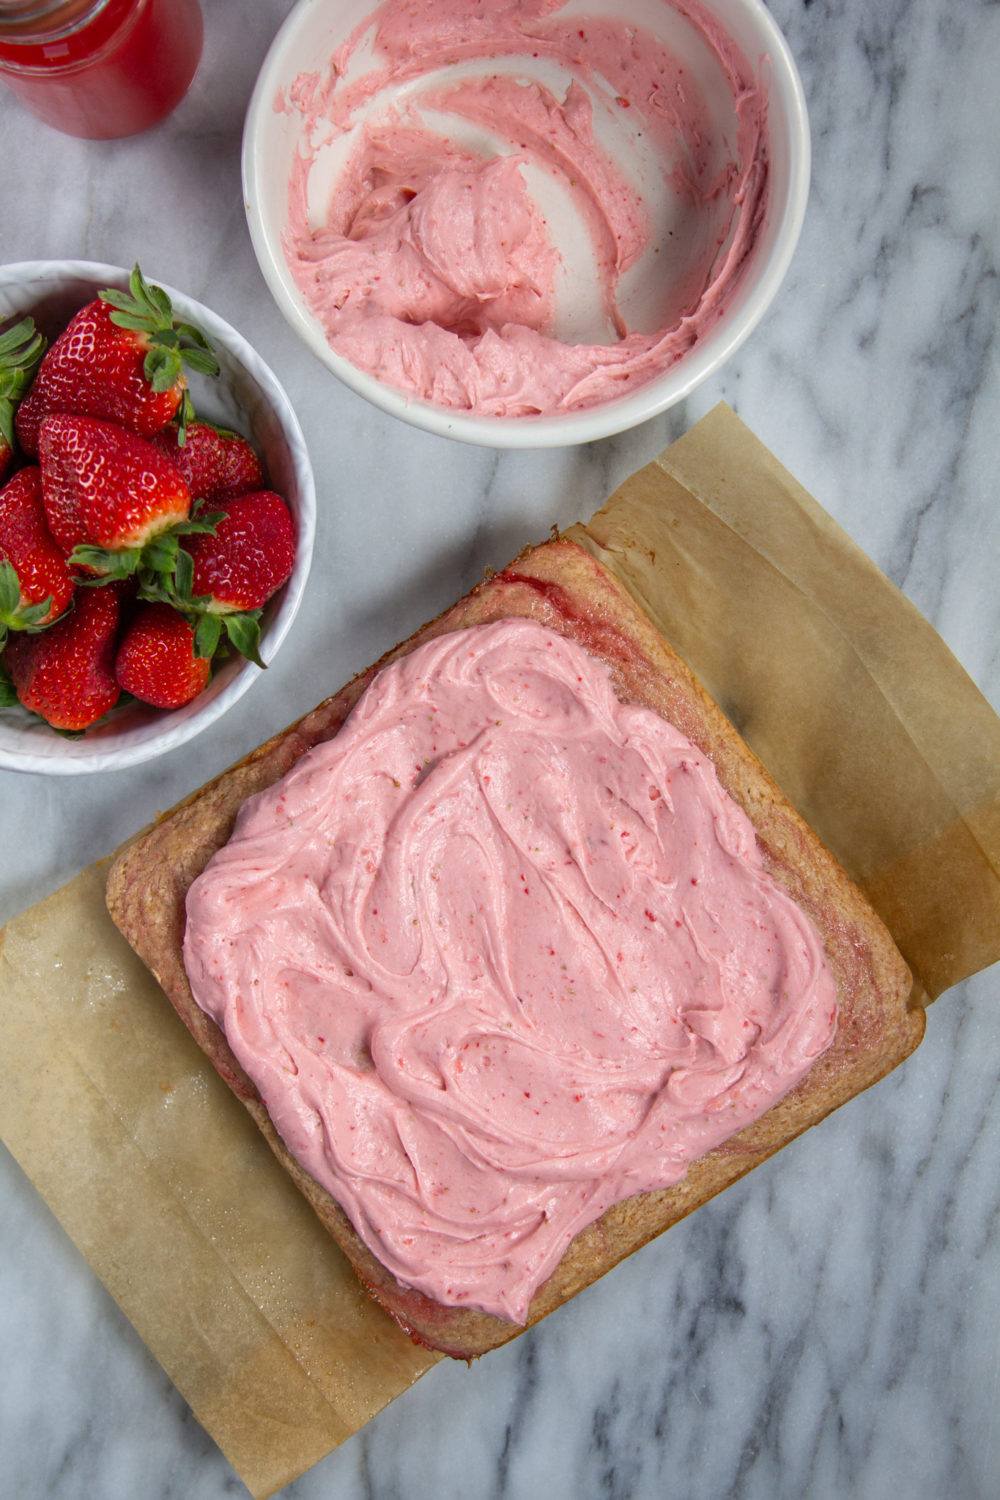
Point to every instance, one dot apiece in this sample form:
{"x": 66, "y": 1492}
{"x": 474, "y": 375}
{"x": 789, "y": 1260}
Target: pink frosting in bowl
{"x": 529, "y": 224}
{"x": 500, "y": 955}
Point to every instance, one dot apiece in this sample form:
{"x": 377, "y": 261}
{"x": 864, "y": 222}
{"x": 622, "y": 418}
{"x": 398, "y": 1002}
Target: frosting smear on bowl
{"x": 499, "y": 955}
{"x": 518, "y": 209}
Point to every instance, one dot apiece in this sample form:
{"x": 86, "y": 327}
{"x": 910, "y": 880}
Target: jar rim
{"x": 45, "y": 20}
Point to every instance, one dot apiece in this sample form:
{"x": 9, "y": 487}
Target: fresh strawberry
{"x": 35, "y": 580}
{"x": 121, "y": 359}
{"x": 229, "y": 573}
{"x": 216, "y": 463}
{"x": 66, "y": 673}
{"x": 107, "y": 493}
{"x": 21, "y": 349}
{"x": 249, "y": 555}
{"x": 156, "y": 659}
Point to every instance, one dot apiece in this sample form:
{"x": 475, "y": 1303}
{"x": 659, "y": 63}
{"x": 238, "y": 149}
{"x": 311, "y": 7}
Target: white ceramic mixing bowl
{"x": 274, "y": 138}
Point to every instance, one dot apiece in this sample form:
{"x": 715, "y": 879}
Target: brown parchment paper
{"x": 161, "y": 1178}
{"x": 849, "y": 697}
{"x": 157, "y": 1172}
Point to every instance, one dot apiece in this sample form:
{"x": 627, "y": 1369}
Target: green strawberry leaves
{"x": 242, "y": 632}
{"x": 157, "y": 559}
{"x": 21, "y": 350}
{"x": 105, "y": 564}
{"x": 8, "y": 692}
{"x": 146, "y": 309}
{"x": 13, "y": 614}
{"x": 183, "y": 343}
{"x": 10, "y": 589}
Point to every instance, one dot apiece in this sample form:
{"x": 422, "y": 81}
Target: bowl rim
{"x": 53, "y": 754}
{"x": 590, "y": 424}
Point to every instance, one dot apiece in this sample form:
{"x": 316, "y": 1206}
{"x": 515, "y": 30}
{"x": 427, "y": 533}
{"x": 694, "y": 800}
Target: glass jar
{"x": 100, "y": 68}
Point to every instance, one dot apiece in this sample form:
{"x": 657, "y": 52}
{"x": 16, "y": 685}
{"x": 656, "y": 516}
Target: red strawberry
{"x": 156, "y": 660}
{"x": 35, "y": 581}
{"x": 233, "y": 570}
{"x": 21, "y": 349}
{"x": 66, "y": 673}
{"x": 106, "y": 492}
{"x": 217, "y": 464}
{"x": 121, "y": 359}
{"x": 249, "y": 556}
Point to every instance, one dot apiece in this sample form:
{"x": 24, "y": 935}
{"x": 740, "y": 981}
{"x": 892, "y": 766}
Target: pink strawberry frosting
{"x": 499, "y": 955}
{"x": 478, "y": 147}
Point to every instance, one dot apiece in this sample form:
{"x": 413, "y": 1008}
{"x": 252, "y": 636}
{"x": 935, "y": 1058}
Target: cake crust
{"x": 562, "y": 586}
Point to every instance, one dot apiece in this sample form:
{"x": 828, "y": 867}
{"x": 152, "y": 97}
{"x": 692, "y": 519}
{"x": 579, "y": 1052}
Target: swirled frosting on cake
{"x": 499, "y": 955}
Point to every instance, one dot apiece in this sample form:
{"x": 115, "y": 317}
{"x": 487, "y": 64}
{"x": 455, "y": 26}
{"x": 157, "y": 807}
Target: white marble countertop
{"x": 829, "y": 1327}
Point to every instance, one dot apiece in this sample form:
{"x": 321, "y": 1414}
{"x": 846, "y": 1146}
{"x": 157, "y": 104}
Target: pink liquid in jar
{"x": 100, "y": 68}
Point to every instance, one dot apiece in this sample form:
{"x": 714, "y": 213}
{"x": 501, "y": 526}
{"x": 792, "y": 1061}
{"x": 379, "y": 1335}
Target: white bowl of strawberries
{"x": 157, "y": 515}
